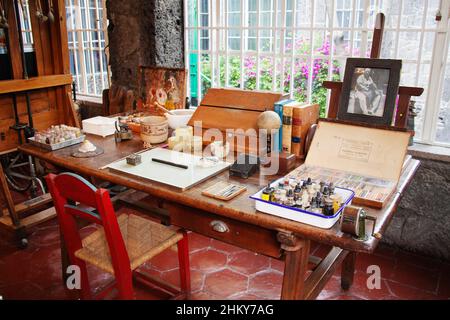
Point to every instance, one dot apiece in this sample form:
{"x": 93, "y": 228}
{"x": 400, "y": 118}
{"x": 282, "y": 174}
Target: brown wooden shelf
{"x": 12, "y": 86}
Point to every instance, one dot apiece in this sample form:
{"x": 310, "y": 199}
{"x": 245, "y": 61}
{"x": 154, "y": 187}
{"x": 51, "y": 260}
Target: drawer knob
{"x": 219, "y": 226}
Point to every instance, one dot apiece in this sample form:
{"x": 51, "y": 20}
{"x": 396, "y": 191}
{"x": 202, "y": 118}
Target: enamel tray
{"x": 57, "y": 146}
{"x": 307, "y": 217}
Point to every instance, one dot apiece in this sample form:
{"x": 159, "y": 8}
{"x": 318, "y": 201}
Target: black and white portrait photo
{"x": 368, "y": 92}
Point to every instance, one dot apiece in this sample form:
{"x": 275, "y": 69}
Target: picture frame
{"x": 369, "y": 91}
{"x": 163, "y": 86}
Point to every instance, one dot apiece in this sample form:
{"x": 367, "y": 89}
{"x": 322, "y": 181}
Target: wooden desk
{"x": 262, "y": 233}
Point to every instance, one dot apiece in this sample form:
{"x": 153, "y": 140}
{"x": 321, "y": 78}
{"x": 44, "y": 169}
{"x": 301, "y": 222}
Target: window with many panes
{"x": 86, "y": 26}
{"x": 294, "y": 45}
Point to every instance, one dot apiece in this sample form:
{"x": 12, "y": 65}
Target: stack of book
{"x": 297, "y": 118}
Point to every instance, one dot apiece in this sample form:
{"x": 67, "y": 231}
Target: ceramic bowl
{"x": 154, "y": 130}
{"x": 180, "y": 118}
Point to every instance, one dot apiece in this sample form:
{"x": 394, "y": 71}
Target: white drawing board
{"x": 167, "y": 174}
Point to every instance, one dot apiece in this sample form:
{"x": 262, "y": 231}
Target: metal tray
{"x": 57, "y": 146}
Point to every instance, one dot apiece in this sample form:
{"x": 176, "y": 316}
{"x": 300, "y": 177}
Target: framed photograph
{"x": 369, "y": 91}
{"x": 163, "y": 86}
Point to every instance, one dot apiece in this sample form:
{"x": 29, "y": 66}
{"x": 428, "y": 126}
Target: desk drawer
{"x": 234, "y": 232}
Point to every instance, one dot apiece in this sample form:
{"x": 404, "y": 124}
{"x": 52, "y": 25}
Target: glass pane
{"x": 391, "y": 9}
{"x": 234, "y": 72}
{"x": 412, "y": 14}
{"x": 432, "y": 8}
{"x": 321, "y": 18}
{"x": 409, "y": 74}
{"x": 300, "y": 77}
{"x": 206, "y": 73}
{"x": 303, "y": 13}
{"x": 409, "y": 42}
{"x": 265, "y": 40}
{"x": 266, "y": 66}
{"x": 250, "y": 72}
{"x": 389, "y": 45}
{"x": 234, "y": 39}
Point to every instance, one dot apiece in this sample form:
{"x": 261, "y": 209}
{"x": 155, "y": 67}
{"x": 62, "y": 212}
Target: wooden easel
{"x": 401, "y": 118}
{"x": 404, "y": 93}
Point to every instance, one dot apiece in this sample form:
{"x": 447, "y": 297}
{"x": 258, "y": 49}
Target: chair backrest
{"x": 69, "y": 191}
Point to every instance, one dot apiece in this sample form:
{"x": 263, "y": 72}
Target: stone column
{"x": 144, "y": 32}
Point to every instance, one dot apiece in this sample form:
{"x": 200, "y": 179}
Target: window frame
{"x": 84, "y": 44}
{"x": 219, "y": 36}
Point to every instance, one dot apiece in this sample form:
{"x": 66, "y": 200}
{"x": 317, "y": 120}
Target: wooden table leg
{"x": 297, "y": 256}
{"x": 348, "y": 270}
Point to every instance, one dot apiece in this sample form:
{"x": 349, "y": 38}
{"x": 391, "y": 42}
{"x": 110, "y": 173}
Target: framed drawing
{"x": 163, "y": 86}
{"x": 369, "y": 91}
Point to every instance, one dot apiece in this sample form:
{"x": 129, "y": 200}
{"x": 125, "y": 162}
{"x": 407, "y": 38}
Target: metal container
{"x": 57, "y": 146}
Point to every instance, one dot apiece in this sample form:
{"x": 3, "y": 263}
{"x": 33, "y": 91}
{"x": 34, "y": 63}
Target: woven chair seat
{"x": 143, "y": 239}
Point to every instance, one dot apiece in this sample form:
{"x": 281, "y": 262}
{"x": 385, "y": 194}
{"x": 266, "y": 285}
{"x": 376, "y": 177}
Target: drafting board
{"x": 163, "y": 173}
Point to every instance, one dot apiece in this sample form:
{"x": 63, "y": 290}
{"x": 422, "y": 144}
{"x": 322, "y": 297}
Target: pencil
{"x": 173, "y": 164}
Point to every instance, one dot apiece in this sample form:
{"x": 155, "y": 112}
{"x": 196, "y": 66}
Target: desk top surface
{"x": 241, "y": 208}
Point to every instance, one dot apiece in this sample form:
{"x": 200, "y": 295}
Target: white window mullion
{"x": 244, "y": 13}
{"x": 282, "y": 42}
{"x": 216, "y": 23}
{"x": 99, "y": 36}
{"x": 422, "y": 37}
{"x": 79, "y": 28}
{"x": 292, "y": 69}
{"x": 89, "y": 41}
{"x": 331, "y": 55}
{"x": 274, "y": 39}
{"x": 106, "y": 50}
{"x": 258, "y": 44}
{"x": 397, "y": 33}
{"x": 311, "y": 53}
{"x": 199, "y": 55}
{"x": 187, "y": 45}
{"x": 352, "y": 29}
{"x": 365, "y": 27}
{"x": 226, "y": 31}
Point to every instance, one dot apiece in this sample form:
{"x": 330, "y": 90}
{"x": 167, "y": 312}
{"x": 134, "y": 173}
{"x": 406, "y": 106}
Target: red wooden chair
{"x": 120, "y": 245}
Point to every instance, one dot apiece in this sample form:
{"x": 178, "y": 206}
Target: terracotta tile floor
{"x": 220, "y": 271}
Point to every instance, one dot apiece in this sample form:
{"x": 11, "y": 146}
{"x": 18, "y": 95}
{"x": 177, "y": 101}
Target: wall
{"x": 422, "y": 222}
{"x": 144, "y": 32}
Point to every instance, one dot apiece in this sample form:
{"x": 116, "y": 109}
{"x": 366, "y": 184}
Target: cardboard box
{"x": 366, "y": 160}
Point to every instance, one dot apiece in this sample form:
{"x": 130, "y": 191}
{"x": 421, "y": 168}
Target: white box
{"x": 311, "y": 218}
{"x": 100, "y": 126}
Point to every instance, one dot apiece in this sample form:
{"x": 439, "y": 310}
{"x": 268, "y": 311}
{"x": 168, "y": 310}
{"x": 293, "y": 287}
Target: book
{"x": 287, "y": 128}
{"x": 278, "y": 108}
{"x": 303, "y": 117}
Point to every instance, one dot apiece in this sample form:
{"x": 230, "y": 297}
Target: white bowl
{"x": 180, "y": 118}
